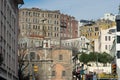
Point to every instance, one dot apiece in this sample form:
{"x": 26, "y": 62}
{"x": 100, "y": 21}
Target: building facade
{"x": 109, "y": 16}
{"x": 92, "y": 31}
{"x": 41, "y": 34}
{"x": 79, "y": 44}
{"x": 69, "y": 27}
{"x": 9, "y": 38}
{"x": 117, "y": 47}
{"x": 36, "y": 22}
{"x": 52, "y": 64}
{"x": 105, "y": 40}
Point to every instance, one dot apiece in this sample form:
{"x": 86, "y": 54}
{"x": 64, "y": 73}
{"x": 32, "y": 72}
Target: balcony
{"x": 63, "y": 24}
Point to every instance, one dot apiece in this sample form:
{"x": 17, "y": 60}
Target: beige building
{"x": 9, "y": 38}
{"x": 92, "y": 30}
{"x": 49, "y": 64}
{"x": 35, "y": 22}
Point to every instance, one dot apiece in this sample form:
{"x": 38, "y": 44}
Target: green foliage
{"x": 84, "y": 58}
{"x": 95, "y": 56}
{"x": 92, "y": 57}
{"x": 105, "y": 58}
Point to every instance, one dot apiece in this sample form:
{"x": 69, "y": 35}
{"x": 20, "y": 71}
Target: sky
{"x": 80, "y": 9}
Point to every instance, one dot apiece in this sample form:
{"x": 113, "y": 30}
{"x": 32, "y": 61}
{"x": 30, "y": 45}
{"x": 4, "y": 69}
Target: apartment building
{"x": 92, "y": 30}
{"x": 109, "y": 16}
{"x": 105, "y": 40}
{"x": 117, "y": 47}
{"x": 69, "y": 27}
{"x": 9, "y": 38}
{"x": 35, "y": 22}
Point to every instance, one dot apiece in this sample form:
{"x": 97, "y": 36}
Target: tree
{"x": 105, "y": 58}
{"x": 95, "y": 57}
{"x": 22, "y": 66}
{"x": 84, "y": 58}
{"x": 92, "y": 56}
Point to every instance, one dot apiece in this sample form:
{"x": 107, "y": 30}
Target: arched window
{"x": 32, "y": 55}
{"x": 53, "y": 73}
{"x": 63, "y": 73}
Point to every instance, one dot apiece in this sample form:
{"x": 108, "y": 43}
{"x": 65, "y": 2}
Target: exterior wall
{"x": 106, "y": 40}
{"x": 99, "y": 70}
{"x": 9, "y": 38}
{"x": 96, "y": 45}
{"x": 79, "y": 25}
{"x": 40, "y": 23}
{"x": 64, "y": 64}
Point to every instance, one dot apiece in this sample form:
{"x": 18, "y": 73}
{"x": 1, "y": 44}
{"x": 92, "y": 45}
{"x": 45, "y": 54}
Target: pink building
{"x": 69, "y": 27}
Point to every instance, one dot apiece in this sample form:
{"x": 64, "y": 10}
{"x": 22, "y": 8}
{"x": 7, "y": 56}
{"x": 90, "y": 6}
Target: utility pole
{"x": 45, "y": 45}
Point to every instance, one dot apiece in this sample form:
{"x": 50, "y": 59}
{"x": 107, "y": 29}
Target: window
{"x": 118, "y": 25}
{"x": 118, "y": 54}
{"x": 32, "y": 55}
{"x": 118, "y": 39}
{"x": 53, "y": 73}
{"x": 96, "y": 28}
{"x": 109, "y": 38}
{"x": 105, "y": 38}
{"x": 63, "y": 73}
{"x": 106, "y": 47}
{"x": 60, "y": 57}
